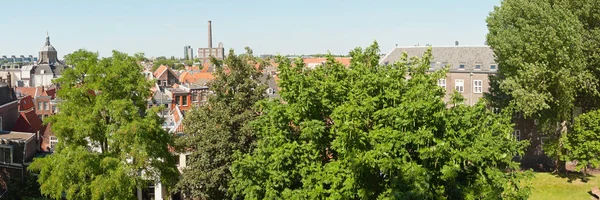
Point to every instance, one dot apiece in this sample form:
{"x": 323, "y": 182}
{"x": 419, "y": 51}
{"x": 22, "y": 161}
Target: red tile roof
{"x": 160, "y": 71}
{"x": 28, "y": 122}
{"x": 26, "y": 103}
{"x": 344, "y": 60}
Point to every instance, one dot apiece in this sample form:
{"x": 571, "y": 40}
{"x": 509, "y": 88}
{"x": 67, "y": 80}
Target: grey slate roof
{"x": 270, "y": 81}
{"x": 454, "y": 56}
{"x": 52, "y": 68}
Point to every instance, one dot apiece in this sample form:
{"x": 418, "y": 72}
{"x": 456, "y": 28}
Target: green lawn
{"x": 550, "y": 186}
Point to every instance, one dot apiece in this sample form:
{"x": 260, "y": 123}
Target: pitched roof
{"x": 28, "y": 122}
{"x": 186, "y": 77}
{"x": 453, "y": 55}
{"x": 160, "y": 71}
{"x": 26, "y": 103}
{"x": 312, "y": 61}
{"x": 36, "y": 91}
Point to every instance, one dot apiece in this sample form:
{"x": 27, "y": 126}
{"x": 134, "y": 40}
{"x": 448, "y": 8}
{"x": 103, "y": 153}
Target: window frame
{"x": 480, "y": 86}
{"x": 53, "y": 141}
{"x": 440, "y": 84}
{"x": 3, "y": 154}
{"x": 461, "y": 85}
{"x": 184, "y": 101}
{"x": 517, "y": 134}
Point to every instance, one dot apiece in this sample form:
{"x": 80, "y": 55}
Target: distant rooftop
{"x": 15, "y": 136}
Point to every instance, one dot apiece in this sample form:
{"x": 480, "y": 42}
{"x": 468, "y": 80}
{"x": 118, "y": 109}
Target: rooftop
{"x": 15, "y": 136}
{"x": 455, "y": 56}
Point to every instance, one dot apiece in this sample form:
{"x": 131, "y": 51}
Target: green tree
{"x": 583, "y": 144}
{"x": 140, "y": 56}
{"x": 544, "y": 63}
{"x": 188, "y": 62}
{"x": 109, "y": 143}
{"x": 215, "y": 131}
{"x": 179, "y": 66}
{"x": 168, "y": 63}
{"x": 369, "y": 132}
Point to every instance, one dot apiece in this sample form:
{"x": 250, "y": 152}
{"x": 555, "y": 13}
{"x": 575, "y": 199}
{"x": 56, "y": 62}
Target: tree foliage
{"x": 215, "y": 131}
{"x": 548, "y": 61}
{"x": 369, "y": 132}
{"x": 140, "y": 56}
{"x": 109, "y": 143}
{"x": 583, "y": 144}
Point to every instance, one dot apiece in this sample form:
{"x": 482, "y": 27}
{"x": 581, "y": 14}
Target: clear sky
{"x": 163, "y": 27}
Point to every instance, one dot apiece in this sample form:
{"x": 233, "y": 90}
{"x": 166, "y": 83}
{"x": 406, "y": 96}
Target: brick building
{"x": 469, "y": 71}
{"x": 9, "y": 107}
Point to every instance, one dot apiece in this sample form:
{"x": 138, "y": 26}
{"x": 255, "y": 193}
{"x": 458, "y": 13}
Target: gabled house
{"x": 28, "y": 121}
{"x": 44, "y": 98}
{"x": 165, "y": 76}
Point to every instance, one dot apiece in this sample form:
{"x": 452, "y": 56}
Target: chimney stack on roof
{"x": 209, "y": 35}
{"x": 455, "y": 43}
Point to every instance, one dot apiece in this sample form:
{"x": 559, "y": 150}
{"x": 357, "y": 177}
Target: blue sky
{"x": 159, "y": 27}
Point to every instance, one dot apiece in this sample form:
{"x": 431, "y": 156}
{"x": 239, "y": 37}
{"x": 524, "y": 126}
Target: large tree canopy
{"x": 218, "y": 129}
{"x": 547, "y": 51}
{"x": 109, "y": 144}
{"x": 376, "y": 131}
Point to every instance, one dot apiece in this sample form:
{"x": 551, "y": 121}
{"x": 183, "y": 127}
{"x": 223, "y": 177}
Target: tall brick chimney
{"x": 209, "y": 35}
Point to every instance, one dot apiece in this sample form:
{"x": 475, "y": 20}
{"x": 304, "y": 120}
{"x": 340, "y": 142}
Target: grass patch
{"x": 552, "y": 186}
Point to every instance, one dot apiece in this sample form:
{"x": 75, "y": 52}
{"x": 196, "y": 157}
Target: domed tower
{"x": 48, "y": 53}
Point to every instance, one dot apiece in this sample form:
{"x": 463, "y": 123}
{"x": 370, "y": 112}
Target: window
{"x": 477, "y": 86}
{"x": 517, "y": 135}
{"x": 39, "y": 105}
{"x": 270, "y": 91}
{"x": 6, "y": 154}
{"x": 53, "y": 141}
{"x": 53, "y": 109}
{"x": 46, "y": 107}
{"x": 204, "y": 96}
{"x": 184, "y": 100}
{"x": 461, "y": 66}
{"x": 478, "y": 66}
{"x": 459, "y": 85}
{"x": 496, "y": 110}
{"x": 493, "y": 67}
{"x": 442, "y": 83}
{"x": 194, "y": 96}
{"x": 164, "y": 83}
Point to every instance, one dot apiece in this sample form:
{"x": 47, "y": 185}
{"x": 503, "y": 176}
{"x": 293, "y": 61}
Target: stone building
{"x": 40, "y": 73}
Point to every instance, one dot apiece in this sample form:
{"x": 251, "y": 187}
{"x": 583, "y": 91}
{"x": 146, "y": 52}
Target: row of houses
{"x": 23, "y": 136}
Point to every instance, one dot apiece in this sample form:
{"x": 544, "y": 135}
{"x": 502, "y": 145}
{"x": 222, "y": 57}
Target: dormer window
{"x": 461, "y": 66}
{"x": 42, "y": 71}
{"x": 493, "y": 67}
{"x": 478, "y": 66}
{"x": 270, "y": 91}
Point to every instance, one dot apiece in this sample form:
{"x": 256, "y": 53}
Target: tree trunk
{"x": 560, "y": 165}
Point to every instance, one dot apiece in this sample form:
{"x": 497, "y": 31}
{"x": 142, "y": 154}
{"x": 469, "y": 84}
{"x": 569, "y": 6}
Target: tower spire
{"x": 47, "y": 39}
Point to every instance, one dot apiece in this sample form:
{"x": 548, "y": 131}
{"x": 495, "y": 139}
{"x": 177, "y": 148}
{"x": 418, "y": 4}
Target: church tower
{"x": 48, "y": 53}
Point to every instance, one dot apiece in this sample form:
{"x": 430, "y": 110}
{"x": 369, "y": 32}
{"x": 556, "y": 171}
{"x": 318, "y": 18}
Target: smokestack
{"x": 209, "y": 35}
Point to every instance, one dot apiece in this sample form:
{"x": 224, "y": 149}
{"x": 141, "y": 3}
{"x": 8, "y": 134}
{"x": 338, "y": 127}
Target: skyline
{"x": 268, "y": 27}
